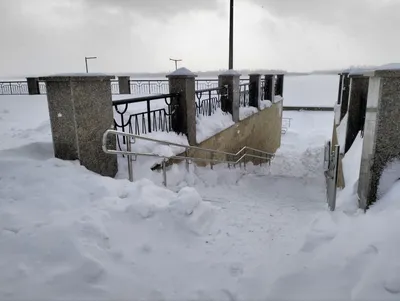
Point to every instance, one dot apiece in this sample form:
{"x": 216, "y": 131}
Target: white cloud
{"x": 133, "y": 36}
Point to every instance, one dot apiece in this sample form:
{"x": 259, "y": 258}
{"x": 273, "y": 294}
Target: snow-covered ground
{"x": 260, "y": 234}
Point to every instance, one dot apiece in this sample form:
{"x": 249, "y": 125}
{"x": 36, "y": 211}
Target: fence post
{"x": 124, "y": 85}
{"x": 270, "y": 87}
{"x": 33, "y": 85}
{"x": 356, "y": 108}
{"x": 230, "y": 104}
{"x": 81, "y": 110}
{"x": 279, "y": 85}
{"x": 340, "y": 88}
{"x": 182, "y": 81}
{"x": 344, "y": 100}
{"x": 254, "y": 90}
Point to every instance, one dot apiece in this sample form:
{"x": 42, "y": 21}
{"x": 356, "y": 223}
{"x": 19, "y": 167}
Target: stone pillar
{"x": 381, "y": 144}
{"x": 270, "y": 87}
{"x": 344, "y": 100}
{"x": 231, "y": 78}
{"x": 80, "y": 108}
{"x": 124, "y": 85}
{"x": 279, "y": 85}
{"x": 182, "y": 81}
{"x": 33, "y": 85}
{"x": 356, "y": 109}
{"x": 254, "y": 90}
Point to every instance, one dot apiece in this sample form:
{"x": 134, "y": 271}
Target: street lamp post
{"x": 176, "y": 62}
{"x": 231, "y": 35}
{"x": 86, "y": 61}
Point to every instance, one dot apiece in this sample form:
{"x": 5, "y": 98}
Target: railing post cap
{"x": 390, "y": 70}
{"x": 182, "y": 73}
{"x": 77, "y": 77}
{"x": 230, "y": 72}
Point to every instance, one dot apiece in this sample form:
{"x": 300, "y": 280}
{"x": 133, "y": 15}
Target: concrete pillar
{"x": 124, "y": 85}
{"x": 381, "y": 144}
{"x": 270, "y": 87}
{"x": 182, "y": 81}
{"x": 80, "y": 108}
{"x": 344, "y": 100}
{"x": 231, "y": 78}
{"x": 254, "y": 90}
{"x": 279, "y": 85}
{"x": 356, "y": 108}
{"x": 33, "y": 85}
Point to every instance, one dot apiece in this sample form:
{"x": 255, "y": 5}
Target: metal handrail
{"x": 143, "y": 98}
{"x": 267, "y": 156}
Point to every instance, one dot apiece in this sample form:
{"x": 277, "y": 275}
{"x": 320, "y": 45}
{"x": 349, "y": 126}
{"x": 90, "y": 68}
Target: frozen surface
{"x": 311, "y": 90}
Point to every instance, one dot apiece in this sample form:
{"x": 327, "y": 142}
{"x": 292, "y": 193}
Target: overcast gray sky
{"x": 50, "y": 36}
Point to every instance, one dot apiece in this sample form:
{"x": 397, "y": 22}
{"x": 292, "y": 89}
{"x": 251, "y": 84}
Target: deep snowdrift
{"x": 68, "y": 233}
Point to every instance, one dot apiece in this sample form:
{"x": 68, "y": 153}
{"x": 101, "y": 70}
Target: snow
{"x": 265, "y": 104}
{"x": 245, "y": 112}
{"x": 392, "y": 66}
{"x": 341, "y": 131}
{"x": 231, "y": 72}
{"x": 81, "y": 74}
{"x": 182, "y": 72}
{"x": 208, "y": 126}
{"x": 263, "y": 233}
{"x": 390, "y": 175}
{"x": 351, "y": 162}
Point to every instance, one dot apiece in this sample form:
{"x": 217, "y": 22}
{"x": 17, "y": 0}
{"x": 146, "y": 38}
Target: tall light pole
{"x": 176, "y": 62}
{"x": 89, "y": 58}
{"x": 231, "y": 36}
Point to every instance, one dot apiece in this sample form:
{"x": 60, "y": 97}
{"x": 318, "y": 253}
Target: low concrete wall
{"x": 260, "y": 131}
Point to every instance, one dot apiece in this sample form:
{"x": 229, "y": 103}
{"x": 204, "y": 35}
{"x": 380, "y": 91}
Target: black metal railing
{"x": 137, "y": 87}
{"x": 203, "y": 84}
{"x": 42, "y": 88}
{"x": 244, "y": 95}
{"x": 14, "y": 88}
{"x": 114, "y": 86}
{"x": 141, "y": 87}
{"x": 263, "y": 90}
{"x": 158, "y": 116}
{"x": 209, "y": 100}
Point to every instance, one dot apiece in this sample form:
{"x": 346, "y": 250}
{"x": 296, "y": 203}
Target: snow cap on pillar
{"x": 182, "y": 72}
{"x": 231, "y": 72}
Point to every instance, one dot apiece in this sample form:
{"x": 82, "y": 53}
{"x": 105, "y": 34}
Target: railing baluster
{"x": 129, "y": 149}
{"x": 148, "y": 116}
{"x": 209, "y": 103}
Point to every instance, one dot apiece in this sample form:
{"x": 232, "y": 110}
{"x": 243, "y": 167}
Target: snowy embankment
{"x": 68, "y": 233}
{"x": 348, "y": 255}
